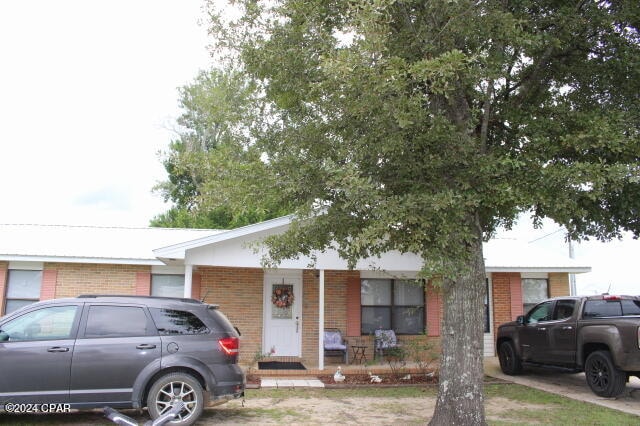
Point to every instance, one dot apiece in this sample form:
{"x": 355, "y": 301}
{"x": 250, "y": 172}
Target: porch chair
{"x": 335, "y": 345}
{"x": 386, "y": 343}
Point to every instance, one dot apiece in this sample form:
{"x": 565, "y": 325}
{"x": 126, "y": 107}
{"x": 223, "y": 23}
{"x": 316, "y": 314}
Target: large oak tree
{"x": 423, "y": 125}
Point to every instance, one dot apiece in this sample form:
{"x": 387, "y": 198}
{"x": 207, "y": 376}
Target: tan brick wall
{"x": 74, "y": 279}
{"x": 558, "y": 284}
{"x": 310, "y": 304}
{"x": 239, "y": 293}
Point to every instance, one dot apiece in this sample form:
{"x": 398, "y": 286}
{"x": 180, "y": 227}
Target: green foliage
{"x": 213, "y": 146}
{"x": 411, "y": 124}
{"x": 422, "y": 126}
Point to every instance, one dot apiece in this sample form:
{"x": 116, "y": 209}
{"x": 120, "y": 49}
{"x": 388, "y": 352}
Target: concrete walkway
{"x": 571, "y": 385}
{"x": 278, "y": 382}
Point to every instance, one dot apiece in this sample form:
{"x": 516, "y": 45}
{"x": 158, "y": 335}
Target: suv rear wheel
{"x": 174, "y": 387}
{"x": 603, "y": 377}
{"x": 509, "y": 362}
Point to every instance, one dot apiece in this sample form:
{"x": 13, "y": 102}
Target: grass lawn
{"x": 506, "y": 404}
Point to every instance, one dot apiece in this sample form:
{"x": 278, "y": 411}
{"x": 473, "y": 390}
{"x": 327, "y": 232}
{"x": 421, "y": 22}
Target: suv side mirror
{"x": 520, "y": 319}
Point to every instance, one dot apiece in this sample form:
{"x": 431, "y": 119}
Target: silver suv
{"x": 120, "y": 351}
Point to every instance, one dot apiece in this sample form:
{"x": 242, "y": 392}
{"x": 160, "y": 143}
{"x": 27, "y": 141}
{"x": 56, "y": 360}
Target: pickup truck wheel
{"x": 174, "y": 387}
{"x": 509, "y": 362}
{"x": 603, "y": 377}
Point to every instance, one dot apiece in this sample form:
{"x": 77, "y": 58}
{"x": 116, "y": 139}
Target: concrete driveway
{"x": 571, "y": 385}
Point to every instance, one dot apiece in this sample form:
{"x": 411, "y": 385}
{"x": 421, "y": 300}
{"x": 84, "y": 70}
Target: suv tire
{"x": 603, "y": 377}
{"x": 509, "y": 362}
{"x": 174, "y": 387}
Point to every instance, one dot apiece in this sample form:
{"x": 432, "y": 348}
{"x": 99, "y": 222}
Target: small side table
{"x": 359, "y": 353}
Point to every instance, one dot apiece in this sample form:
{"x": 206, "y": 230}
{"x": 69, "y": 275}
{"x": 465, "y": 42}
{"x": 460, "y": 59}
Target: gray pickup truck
{"x": 599, "y": 335}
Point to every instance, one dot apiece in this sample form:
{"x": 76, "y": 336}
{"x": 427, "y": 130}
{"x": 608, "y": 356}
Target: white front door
{"x": 283, "y": 313}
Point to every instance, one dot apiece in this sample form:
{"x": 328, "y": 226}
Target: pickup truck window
{"x": 541, "y": 312}
{"x": 602, "y": 308}
{"x": 630, "y": 307}
{"x": 564, "y": 309}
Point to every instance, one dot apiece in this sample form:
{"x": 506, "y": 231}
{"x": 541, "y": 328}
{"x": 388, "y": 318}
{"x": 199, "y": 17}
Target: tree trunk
{"x": 460, "y": 393}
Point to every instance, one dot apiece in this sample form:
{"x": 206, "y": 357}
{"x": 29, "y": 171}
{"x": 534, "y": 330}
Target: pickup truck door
{"x": 562, "y": 333}
{"x": 534, "y": 341}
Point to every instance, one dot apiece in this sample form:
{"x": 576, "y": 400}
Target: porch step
{"x": 280, "y": 382}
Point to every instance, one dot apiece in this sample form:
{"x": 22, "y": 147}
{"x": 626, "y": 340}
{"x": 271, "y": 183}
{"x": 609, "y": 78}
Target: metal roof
{"x": 90, "y": 244}
{"x": 159, "y": 246}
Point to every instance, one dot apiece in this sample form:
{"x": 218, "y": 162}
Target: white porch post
{"x": 321, "y": 321}
{"x": 188, "y": 280}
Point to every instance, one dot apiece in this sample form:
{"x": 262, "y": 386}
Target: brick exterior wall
{"x": 310, "y": 310}
{"x": 559, "y": 284}
{"x": 74, "y": 279}
{"x": 239, "y": 293}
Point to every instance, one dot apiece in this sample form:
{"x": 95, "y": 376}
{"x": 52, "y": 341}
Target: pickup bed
{"x": 599, "y": 335}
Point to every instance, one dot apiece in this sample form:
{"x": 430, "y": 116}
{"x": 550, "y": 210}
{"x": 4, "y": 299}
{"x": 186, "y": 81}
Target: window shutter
{"x": 353, "y": 306}
{"x": 48, "y": 286}
{"x": 143, "y": 283}
{"x": 434, "y": 310}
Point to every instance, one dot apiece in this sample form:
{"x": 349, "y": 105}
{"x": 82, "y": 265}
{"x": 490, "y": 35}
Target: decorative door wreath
{"x": 282, "y": 296}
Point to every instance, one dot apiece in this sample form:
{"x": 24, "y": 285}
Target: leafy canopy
{"x": 413, "y": 124}
{"x": 218, "y": 111}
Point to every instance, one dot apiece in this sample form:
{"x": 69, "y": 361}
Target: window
{"x": 170, "y": 321}
{"x": 542, "y": 312}
{"x": 51, "y": 323}
{"x": 116, "y": 321}
{"x": 534, "y": 291}
{"x": 167, "y": 285}
{"x": 392, "y": 305}
{"x": 23, "y": 288}
{"x": 564, "y": 309}
{"x": 602, "y": 308}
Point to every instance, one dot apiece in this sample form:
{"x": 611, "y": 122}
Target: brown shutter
{"x": 48, "y": 285}
{"x": 515, "y": 287}
{"x": 196, "y": 281}
{"x": 143, "y": 283}
{"x": 353, "y": 306}
{"x": 434, "y": 310}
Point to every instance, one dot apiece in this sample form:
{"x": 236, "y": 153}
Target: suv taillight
{"x": 230, "y": 345}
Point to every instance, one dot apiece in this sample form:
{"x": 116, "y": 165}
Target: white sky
{"x": 88, "y": 95}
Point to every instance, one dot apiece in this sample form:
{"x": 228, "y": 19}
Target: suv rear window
{"x": 171, "y": 321}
